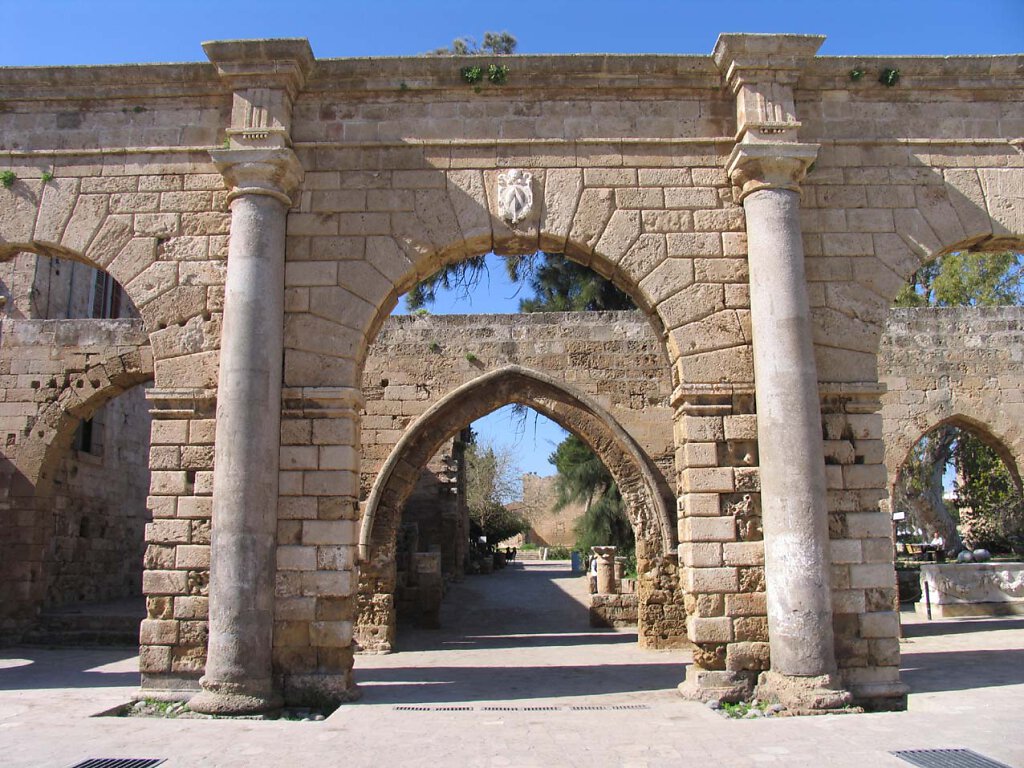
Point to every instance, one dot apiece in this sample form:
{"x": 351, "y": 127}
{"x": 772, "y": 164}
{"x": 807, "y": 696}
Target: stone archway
{"x": 115, "y": 357}
{"x": 662, "y": 622}
{"x": 676, "y": 175}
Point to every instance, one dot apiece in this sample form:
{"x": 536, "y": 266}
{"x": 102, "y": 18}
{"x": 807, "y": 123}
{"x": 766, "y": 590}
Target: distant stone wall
{"x": 548, "y": 527}
{"x": 957, "y": 366}
{"x": 428, "y": 377}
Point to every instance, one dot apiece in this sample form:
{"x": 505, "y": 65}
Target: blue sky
{"x": 55, "y": 32}
{"x": 42, "y": 32}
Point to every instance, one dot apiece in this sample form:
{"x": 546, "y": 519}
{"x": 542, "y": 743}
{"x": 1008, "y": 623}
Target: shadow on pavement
{"x": 960, "y": 626}
{"x": 962, "y": 670}
{"x": 540, "y": 610}
{"x": 63, "y": 668}
{"x": 420, "y": 685}
{"x": 609, "y": 637}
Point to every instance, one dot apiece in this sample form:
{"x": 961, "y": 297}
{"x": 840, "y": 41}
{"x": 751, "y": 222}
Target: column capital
{"x": 753, "y": 166}
{"x": 274, "y": 172}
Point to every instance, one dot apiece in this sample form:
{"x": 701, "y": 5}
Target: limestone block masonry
{"x": 265, "y": 210}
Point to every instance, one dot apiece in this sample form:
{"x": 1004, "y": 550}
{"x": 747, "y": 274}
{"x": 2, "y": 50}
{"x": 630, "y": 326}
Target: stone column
{"x": 605, "y": 569}
{"x": 767, "y": 166}
{"x": 794, "y": 501}
{"x": 620, "y": 572}
{"x": 245, "y": 481}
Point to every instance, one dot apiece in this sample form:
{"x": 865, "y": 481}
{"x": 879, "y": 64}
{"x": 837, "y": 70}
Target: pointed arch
{"x": 514, "y": 384}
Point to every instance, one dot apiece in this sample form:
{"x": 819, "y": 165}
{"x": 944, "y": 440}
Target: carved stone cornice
{"x": 754, "y": 166}
{"x": 745, "y": 59}
{"x": 321, "y": 402}
{"x": 761, "y": 71}
{"x": 274, "y": 172}
{"x": 266, "y": 77}
{"x": 279, "y": 63}
{"x": 181, "y": 403}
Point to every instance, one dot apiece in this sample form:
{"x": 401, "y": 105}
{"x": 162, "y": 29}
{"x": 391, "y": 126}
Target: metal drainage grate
{"x": 520, "y": 709}
{"x": 947, "y": 758}
{"x": 539, "y": 708}
{"x": 120, "y": 762}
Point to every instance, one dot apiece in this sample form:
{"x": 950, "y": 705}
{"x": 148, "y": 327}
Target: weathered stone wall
{"x": 613, "y": 611}
{"x": 953, "y": 366}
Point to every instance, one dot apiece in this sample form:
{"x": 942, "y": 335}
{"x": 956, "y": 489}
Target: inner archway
{"x": 643, "y": 490}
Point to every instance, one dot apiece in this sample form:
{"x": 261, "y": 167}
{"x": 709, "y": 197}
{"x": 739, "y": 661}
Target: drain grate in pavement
{"x": 947, "y": 758}
{"x": 520, "y": 709}
{"x": 120, "y": 762}
{"x": 544, "y": 708}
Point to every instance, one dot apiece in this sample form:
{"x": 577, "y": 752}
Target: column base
{"x": 716, "y": 685}
{"x": 803, "y": 694}
{"x": 224, "y": 698}
{"x": 881, "y": 697}
{"x": 325, "y": 691}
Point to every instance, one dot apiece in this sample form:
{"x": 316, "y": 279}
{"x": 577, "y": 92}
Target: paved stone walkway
{"x": 519, "y": 679}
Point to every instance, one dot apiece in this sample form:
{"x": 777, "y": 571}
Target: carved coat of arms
{"x": 515, "y": 195}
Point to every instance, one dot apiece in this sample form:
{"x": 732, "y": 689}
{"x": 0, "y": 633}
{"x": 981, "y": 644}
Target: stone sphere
{"x": 965, "y": 557}
{"x": 982, "y": 555}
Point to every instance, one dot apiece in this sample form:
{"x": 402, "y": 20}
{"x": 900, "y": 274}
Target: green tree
{"x": 966, "y": 279}
{"x": 558, "y": 284}
{"x": 492, "y": 477}
{"x": 919, "y": 488}
{"x": 583, "y": 479}
{"x": 984, "y": 486}
{"x": 991, "y": 508}
{"x": 562, "y": 285}
{"x": 494, "y": 43}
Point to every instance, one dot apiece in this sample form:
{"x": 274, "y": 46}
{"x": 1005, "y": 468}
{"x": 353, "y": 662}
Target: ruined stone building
{"x": 263, "y": 212}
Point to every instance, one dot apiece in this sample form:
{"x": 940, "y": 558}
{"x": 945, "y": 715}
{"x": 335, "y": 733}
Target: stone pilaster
{"x": 766, "y": 166}
{"x": 175, "y": 581}
{"x": 721, "y": 556}
{"x": 317, "y": 578}
{"x": 262, "y": 173}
